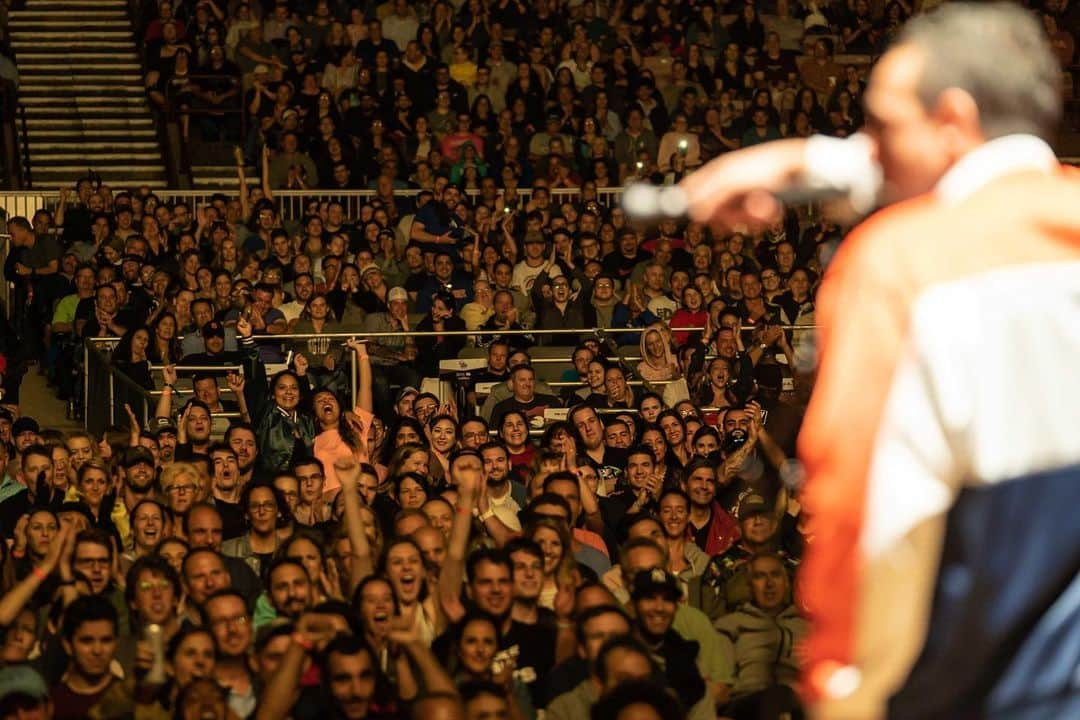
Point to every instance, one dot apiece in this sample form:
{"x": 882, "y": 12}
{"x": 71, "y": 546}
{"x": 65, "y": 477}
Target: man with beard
{"x": 203, "y": 528}
{"x": 712, "y": 528}
{"x": 226, "y": 614}
{"x": 164, "y": 431}
{"x": 435, "y": 224}
{"x": 289, "y": 587}
{"x": 489, "y": 589}
{"x": 89, "y": 640}
{"x": 505, "y": 497}
{"x": 241, "y": 438}
{"x": 655, "y": 596}
{"x": 139, "y": 474}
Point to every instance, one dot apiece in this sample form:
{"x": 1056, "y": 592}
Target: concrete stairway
{"x": 81, "y": 84}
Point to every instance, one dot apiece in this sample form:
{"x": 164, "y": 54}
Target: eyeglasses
{"x": 180, "y": 489}
{"x": 146, "y": 585}
{"x": 92, "y": 562}
{"x": 267, "y": 506}
{"x": 240, "y": 620}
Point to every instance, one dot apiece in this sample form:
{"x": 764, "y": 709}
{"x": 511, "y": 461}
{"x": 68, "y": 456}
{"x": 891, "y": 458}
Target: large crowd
{"x": 331, "y": 525}
{"x": 509, "y": 92}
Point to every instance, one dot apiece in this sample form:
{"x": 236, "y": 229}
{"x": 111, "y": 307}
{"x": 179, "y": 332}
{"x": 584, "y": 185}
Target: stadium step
{"x": 72, "y": 43}
{"x": 81, "y": 84}
{"x": 116, "y": 14}
{"x": 218, "y": 177}
{"x": 64, "y": 95}
{"x": 78, "y": 135}
{"x": 78, "y": 66}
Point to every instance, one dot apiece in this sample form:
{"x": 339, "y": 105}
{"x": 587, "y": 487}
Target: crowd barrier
{"x": 293, "y": 203}
{"x": 106, "y": 389}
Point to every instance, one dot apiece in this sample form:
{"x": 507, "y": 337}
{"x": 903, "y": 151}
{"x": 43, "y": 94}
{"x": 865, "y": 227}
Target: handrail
{"x": 9, "y": 144}
{"x": 5, "y": 285}
{"x": 359, "y": 334}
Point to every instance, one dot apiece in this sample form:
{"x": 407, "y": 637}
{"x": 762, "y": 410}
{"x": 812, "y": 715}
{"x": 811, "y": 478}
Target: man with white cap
{"x": 391, "y": 357}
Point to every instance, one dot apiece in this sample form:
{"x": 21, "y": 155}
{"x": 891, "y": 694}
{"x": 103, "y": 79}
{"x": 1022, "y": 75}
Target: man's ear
{"x": 958, "y": 116}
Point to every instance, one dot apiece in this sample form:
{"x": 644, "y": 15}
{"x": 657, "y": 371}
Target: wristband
{"x": 39, "y": 573}
{"x": 18, "y": 554}
{"x": 487, "y": 515}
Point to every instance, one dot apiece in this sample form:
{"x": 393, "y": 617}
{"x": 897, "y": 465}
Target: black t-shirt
{"x": 620, "y": 266}
{"x": 232, "y": 519}
{"x": 511, "y": 403}
{"x": 532, "y": 646}
{"x": 46, "y": 248}
{"x": 11, "y": 510}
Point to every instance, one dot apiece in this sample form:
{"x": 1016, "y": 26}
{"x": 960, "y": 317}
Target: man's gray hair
{"x": 998, "y": 53}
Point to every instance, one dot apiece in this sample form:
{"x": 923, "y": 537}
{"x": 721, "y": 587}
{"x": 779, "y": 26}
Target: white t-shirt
{"x": 524, "y": 276}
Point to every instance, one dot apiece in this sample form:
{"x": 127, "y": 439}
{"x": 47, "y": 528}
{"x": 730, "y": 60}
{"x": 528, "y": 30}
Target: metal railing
{"x": 5, "y": 285}
{"x": 292, "y": 203}
{"x": 106, "y": 390}
{"x": 101, "y": 379}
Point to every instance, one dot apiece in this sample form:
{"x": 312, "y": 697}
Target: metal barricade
{"x": 5, "y": 286}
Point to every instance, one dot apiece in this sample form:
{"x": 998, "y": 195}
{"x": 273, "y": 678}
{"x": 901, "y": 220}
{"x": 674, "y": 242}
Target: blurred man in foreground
{"x": 946, "y": 321}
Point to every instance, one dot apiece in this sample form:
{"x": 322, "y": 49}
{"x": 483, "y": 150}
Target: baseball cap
{"x": 408, "y": 389}
{"x": 6, "y": 414}
{"x": 370, "y": 267}
{"x": 534, "y": 236}
{"x": 213, "y": 329}
{"x": 77, "y": 506}
{"x": 657, "y": 581}
{"x": 752, "y": 504}
{"x": 25, "y": 424}
{"x": 159, "y": 425}
{"x": 22, "y": 680}
{"x": 397, "y": 294}
{"x": 135, "y": 455}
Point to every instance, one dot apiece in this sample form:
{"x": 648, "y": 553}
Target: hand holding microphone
{"x": 751, "y": 186}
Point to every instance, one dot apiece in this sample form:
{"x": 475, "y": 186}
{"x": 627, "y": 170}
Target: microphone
{"x": 831, "y": 169}
{"x": 642, "y": 201}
